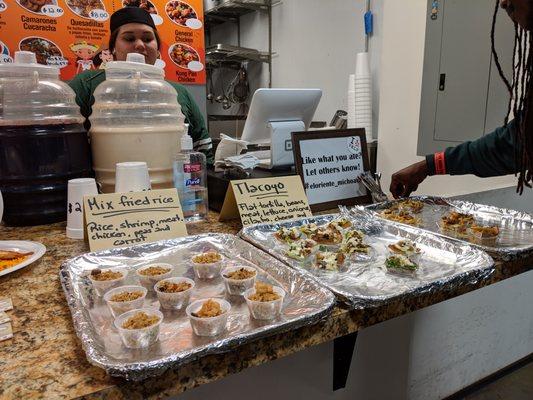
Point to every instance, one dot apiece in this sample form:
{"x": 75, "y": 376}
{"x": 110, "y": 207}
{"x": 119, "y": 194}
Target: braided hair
{"x": 520, "y": 89}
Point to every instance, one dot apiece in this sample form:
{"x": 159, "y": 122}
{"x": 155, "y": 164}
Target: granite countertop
{"x": 45, "y": 357}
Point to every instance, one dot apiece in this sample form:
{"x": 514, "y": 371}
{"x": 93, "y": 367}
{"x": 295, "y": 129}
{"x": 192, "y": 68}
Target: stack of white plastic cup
{"x": 351, "y": 101}
{"x": 132, "y": 177}
{"x": 363, "y": 94}
{"x": 76, "y": 189}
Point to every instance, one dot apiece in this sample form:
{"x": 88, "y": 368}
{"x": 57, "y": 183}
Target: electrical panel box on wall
{"x": 463, "y": 97}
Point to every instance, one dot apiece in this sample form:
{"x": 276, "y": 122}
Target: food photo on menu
{"x": 83, "y": 8}
{"x": 190, "y": 189}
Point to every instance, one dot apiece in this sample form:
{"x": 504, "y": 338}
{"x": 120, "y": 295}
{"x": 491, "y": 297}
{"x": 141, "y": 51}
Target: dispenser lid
{"x": 186, "y": 142}
{"x": 135, "y": 62}
{"x": 25, "y": 63}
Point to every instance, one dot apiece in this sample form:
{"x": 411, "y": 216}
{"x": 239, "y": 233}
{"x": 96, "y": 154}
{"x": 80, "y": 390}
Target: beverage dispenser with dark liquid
{"x": 42, "y": 142}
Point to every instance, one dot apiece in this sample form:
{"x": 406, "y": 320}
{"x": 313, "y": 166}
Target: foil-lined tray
{"x": 367, "y": 283}
{"x": 305, "y": 303}
{"x": 515, "y": 239}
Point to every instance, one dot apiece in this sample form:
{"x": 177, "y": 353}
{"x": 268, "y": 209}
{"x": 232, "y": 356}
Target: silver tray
{"x": 443, "y": 266}
{"x": 516, "y": 228}
{"x": 306, "y": 303}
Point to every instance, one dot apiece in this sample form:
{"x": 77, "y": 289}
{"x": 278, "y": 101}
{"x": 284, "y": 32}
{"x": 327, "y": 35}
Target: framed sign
{"x": 329, "y": 163}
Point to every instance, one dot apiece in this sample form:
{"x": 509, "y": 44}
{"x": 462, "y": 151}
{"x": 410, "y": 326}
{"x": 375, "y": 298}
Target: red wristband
{"x": 440, "y": 164}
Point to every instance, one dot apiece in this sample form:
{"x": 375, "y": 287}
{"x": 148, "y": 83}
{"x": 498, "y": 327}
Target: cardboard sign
{"x": 329, "y": 163}
{"x": 125, "y": 219}
{"x": 265, "y": 200}
{"x": 74, "y": 34}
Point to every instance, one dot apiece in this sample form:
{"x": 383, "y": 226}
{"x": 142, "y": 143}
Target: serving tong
{"x": 373, "y": 184}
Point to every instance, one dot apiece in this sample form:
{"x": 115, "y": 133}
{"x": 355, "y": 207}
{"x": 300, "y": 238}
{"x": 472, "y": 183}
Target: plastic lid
{"x": 186, "y": 142}
{"x": 135, "y": 62}
{"x": 25, "y": 62}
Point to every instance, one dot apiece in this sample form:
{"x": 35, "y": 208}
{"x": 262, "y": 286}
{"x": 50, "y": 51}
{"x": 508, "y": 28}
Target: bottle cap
{"x": 25, "y": 57}
{"x": 186, "y": 142}
{"x": 135, "y": 57}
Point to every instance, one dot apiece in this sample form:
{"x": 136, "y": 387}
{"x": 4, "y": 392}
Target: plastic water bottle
{"x": 190, "y": 179}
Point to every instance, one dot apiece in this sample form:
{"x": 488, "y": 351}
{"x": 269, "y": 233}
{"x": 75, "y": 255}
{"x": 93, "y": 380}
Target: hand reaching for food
{"x": 406, "y": 181}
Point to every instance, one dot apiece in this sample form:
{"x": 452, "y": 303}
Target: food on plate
{"x": 144, "y": 4}
{"x": 405, "y": 247}
{"x": 35, "y": 5}
{"x": 400, "y": 263}
{"x": 264, "y": 292}
{"x": 329, "y": 261}
{"x": 140, "y": 320}
{"x": 209, "y": 257}
{"x": 154, "y": 270}
{"x": 354, "y": 245}
{"x": 10, "y": 258}
{"x": 100, "y": 275}
{"x": 401, "y": 216}
{"x": 343, "y": 223}
{"x": 414, "y": 205}
{"x": 173, "y": 287}
{"x": 209, "y": 309}
{"x": 309, "y": 229}
{"x": 240, "y": 274}
{"x": 485, "y": 232}
{"x": 302, "y": 249}
{"x": 126, "y": 296}
{"x": 43, "y": 49}
{"x": 84, "y": 7}
{"x": 287, "y": 234}
{"x": 182, "y": 54}
{"x": 328, "y": 235}
{"x": 179, "y": 12}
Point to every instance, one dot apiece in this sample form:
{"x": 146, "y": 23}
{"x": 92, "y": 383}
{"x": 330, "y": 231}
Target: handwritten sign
{"x": 329, "y": 163}
{"x": 125, "y": 219}
{"x": 265, "y": 200}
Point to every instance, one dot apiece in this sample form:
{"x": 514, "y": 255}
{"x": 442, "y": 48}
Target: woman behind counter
{"x": 133, "y": 31}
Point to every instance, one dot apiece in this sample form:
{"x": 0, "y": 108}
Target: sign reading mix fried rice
{"x": 73, "y": 34}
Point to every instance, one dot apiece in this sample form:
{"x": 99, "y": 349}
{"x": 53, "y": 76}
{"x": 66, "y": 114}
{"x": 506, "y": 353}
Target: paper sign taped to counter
{"x": 265, "y": 200}
{"x": 125, "y": 219}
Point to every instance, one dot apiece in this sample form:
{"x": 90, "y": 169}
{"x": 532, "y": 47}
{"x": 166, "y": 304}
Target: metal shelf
{"x": 236, "y": 8}
{"x": 223, "y": 53}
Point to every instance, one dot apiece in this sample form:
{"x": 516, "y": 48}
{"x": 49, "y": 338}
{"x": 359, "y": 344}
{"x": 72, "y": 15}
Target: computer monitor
{"x": 278, "y": 105}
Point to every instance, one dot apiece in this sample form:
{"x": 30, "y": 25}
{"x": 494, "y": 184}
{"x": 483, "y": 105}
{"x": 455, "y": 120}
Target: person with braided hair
{"x": 507, "y": 150}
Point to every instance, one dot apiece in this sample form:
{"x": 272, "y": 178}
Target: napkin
{"x": 229, "y": 147}
{"x": 244, "y": 161}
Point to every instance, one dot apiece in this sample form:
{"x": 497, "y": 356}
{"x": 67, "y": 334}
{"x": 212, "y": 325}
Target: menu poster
{"x": 124, "y": 219}
{"x": 265, "y": 200}
{"x": 329, "y": 164}
{"x": 73, "y": 34}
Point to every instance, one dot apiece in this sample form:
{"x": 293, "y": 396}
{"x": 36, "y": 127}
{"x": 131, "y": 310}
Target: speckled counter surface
{"x": 45, "y": 358}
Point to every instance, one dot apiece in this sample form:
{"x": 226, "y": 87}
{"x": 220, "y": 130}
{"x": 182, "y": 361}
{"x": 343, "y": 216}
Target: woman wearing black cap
{"x": 133, "y": 31}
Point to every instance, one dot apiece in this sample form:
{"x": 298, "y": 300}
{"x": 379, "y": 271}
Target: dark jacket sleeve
{"x": 490, "y": 155}
{"x": 201, "y": 139}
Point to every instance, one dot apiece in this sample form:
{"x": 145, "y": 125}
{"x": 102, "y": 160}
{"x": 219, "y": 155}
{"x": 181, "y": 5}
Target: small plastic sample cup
{"x": 120, "y": 307}
{"x": 238, "y": 286}
{"x": 174, "y": 300}
{"x": 265, "y": 309}
{"x": 210, "y": 326}
{"x": 207, "y": 270}
{"x": 139, "y": 338}
{"x": 103, "y": 286}
{"x": 148, "y": 281}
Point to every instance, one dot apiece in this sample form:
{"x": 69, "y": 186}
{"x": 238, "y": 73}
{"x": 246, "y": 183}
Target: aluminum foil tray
{"x": 306, "y": 302}
{"x": 516, "y": 228}
{"x": 361, "y": 284}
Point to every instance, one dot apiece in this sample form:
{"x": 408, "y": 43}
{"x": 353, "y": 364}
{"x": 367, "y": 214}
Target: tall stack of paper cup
{"x": 351, "y": 101}
{"x": 363, "y": 95}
